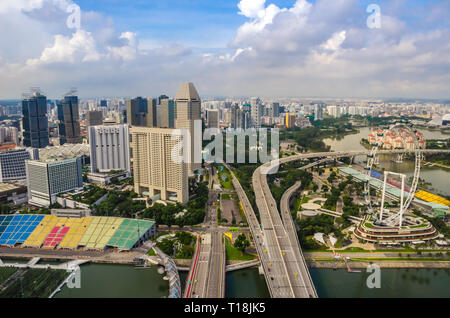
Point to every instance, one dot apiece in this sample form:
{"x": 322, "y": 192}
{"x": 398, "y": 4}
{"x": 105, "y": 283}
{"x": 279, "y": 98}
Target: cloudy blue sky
{"x": 309, "y": 48}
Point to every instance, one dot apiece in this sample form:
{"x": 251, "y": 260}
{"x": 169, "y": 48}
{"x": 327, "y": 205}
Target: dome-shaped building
{"x": 446, "y": 120}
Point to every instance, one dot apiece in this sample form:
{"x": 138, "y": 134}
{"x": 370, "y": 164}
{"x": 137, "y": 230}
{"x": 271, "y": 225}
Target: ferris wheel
{"x": 371, "y": 158}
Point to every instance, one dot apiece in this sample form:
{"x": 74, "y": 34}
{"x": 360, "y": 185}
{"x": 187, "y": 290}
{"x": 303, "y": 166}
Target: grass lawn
{"x": 225, "y": 178}
{"x": 6, "y": 272}
{"x": 226, "y": 196}
{"x": 151, "y": 253}
{"x": 37, "y": 283}
{"x": 233, "y": 254}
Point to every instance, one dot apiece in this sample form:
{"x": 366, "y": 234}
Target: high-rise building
{"x": 275, "y": 110}
{"x": 236, "y": 117}
{"x": 137, "y": 109}
{"x": 257, "y": 110}
{"x": 317, "y": 112}
{"x": 9, "y": 135}
{"x": 109, "y": 148}
{"x": 47, "y": 179}
{"x": 156, "y": 173}
{"x": 35, "y": 122}
{"x": 290, "y": 120}
{"x": 161, "y": 98}
{"x": 141, "y": 112}
{"x": 188, "y": 111}
{"x": 213, "y": 118}
{"x": 167, "y": 113}
{"x": 12, "y": 164}
{"x": 69, "y": 126}
{"x": 150, "y": 117}
{"x": 94, "y": 118}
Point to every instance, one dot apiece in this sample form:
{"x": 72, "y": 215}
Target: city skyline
{"x": 325, "y": 48}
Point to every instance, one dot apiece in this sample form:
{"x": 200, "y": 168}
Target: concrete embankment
{"x": 382, "y": 264}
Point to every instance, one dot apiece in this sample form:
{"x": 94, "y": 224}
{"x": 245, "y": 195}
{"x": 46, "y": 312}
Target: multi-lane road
{"x": 288, "y": 266}
{"x": 206, "y": 277}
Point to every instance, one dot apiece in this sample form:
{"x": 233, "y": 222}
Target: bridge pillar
{"x": 260, "y": 270}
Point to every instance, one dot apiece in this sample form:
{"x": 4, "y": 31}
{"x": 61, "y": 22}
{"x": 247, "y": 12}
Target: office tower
{"x": 257, "y": 110}
{"x": 227, "y": 117}
{"x": 275, "y": 110}
{"x": 103, "y": 103}
{"x": 333, "y": 111}
{"x": 161, "y": 98}
{"x": 213, "y": 118}
{"x": 12, "y": 164}
{"x": 69, "y": 126}
{"x": 9, "y": 135}
{"x": 47, "y": 179}
{"x": 246, "y": 120}
{"x": 109, "y": 148}
{"x": 94, "y": 118}
{"x": 137, "y": 109}
{"x": 124, "y": 116}
{"x": 188, "y": 111}
{"x": 167, "y": 113}
{"x": 234, "y": 121}
{"x": 156, "y": 173}
{"x": 14, "y": 135}
{"x": 317, "y": 112}
{"x": 150, "y": 117}
{"x": 35, "y": 123}
{"x": 290, "y": 120}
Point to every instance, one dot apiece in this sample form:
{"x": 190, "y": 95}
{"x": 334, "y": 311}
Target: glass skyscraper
{"x": 35, "y": 122}
{"x": 69, "y": 120}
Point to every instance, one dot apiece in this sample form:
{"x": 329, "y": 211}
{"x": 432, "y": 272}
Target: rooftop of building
{"x": 188, "y": 91}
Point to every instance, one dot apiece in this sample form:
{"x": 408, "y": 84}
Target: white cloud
{"x": 79, "y": 48}
{"x": 126, "y": 52}
{"x": 252, "y": 8}
{"x": 320, "y": 48}
{"x": 335, "y": 42}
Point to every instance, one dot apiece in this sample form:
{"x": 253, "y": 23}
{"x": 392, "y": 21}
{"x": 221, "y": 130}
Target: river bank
{"x": 382, "y": 264}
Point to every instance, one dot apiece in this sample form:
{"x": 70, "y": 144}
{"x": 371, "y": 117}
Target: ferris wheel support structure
{"x": 371, "y": 159}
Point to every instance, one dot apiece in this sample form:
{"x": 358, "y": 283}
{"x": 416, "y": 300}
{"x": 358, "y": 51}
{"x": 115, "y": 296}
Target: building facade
{"x": 156, "y": 173}
{"x": 257, "y": 110}
{"x": 109, "y": 148}
{"x": 213, "y": 118}
{"x": 136, "y": 110}
{"x": 69, "y": 121}
{"x": 167, "y": 113}
{"x": 188, "y": 117}
{"x": 94, "y": 118}
{"x": 142, "y": 112}
{"x": 12, "y": 164}
{"x": 46, "y": 180}
{"x": 35, "y": 122}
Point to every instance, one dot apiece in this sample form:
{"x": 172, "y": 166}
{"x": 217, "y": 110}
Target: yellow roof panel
{"x": 100, "y": 232}
{"x": 36, "y": 239}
